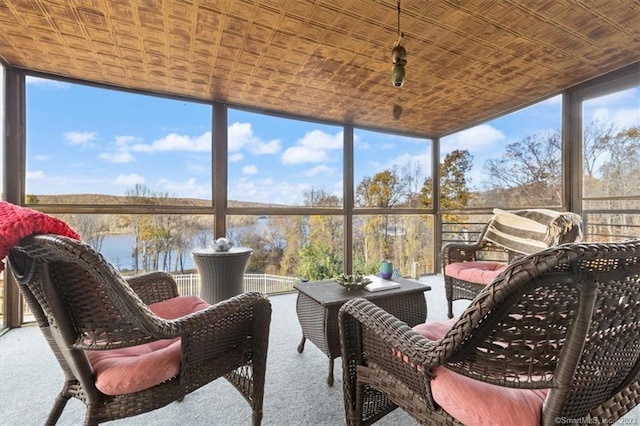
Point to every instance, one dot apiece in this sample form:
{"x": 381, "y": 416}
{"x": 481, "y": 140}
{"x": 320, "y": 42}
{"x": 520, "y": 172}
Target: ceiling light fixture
{"x": 399, "y": 57}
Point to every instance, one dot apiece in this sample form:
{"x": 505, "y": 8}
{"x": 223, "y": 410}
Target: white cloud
{"x": 556, "y": 100}
{"x": 314, "y": 147}
{"x": 198, "y": 168}
{"x": 614, "y": 98}
{"x": 358, "y": 143}
{"x": 130, "y": 179}
{"x": 188, "y": 188}
{"x": 404, "y": 160}
{"x": 624, "y": 117}
{"x": 35, "y": 175}
{"x": 117, "y": 157}
{"x": 123, "y": 150}
{"x": 320, "y": 170}
{"x": 338, "y": 189}
{"x": 600, "y": 114}
{"x": 123, "y": 141}
{"x": 83, "y": 139}
{"x": 414, "y": 160}
{"x": 234, "y": 158}
{"x": 303, "y": 154}
{"x": 270, "y": 147}
{"x": 43, "y": 82}
{"x": 241, "y": 136}
{"x": 628, "y": 117}
{"x": 41, "y": 157}
{"x": 477, "y": 138}
{"x": 384, "y": 141}
{"x": 245, "y": 189}
{"x": 175, "y": 142}
{"x": 250, "y": 170}
{"x": 267, "y": 191}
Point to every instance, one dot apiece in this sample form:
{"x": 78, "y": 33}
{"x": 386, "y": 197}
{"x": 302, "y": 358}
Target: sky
{"x": 83, "y": 139}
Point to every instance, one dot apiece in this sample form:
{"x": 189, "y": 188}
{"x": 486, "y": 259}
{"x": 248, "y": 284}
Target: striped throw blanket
{"x": 529, "y": 231}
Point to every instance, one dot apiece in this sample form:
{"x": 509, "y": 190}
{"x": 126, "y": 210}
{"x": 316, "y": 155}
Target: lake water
{"x": 117, "y": 248}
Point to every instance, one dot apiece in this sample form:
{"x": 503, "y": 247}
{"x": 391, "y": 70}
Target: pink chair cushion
{"x": 481, "y": 272}
{"x": 128, "y": 370}
{"x": 472, "y": 402}
{"x": 435, "y": 330}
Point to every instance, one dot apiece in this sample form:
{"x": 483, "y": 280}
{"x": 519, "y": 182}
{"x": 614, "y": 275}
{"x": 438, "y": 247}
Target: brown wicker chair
{"x": 566, "y": 319}
{"x": 493, "y": 255}
{"x": 82, "y": 304}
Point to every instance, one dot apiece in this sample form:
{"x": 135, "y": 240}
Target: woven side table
{"x": 221, "y": 272}
{"x": 318, "y": 304}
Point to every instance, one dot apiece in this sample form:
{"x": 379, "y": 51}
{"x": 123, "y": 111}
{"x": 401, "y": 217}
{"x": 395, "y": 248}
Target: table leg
{"x": 330, "y": 376}
{"x": 301, "y": 344}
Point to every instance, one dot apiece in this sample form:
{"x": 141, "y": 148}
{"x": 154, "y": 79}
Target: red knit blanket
{"x": 18, "y": 222}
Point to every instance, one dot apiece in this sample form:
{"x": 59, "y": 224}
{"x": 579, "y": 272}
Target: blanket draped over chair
{"x": 18, "y": 222}
{"x": 531, "y": 230}
{"x": 468, "y": 267}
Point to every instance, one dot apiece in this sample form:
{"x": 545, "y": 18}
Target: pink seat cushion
{"x": 435, "y": 330}
{"x": 472, "y": 402}
{"x": 481, "y": 272}
{"x": 136, "y": 368}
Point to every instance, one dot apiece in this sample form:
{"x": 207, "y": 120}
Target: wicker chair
{"x": 84, "y": 308}
{"x": 491, "y": 255}
{"x": 565, "y": 320}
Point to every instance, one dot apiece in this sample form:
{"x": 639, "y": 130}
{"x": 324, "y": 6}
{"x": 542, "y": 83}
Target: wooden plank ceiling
{"x": 468, "y": 60}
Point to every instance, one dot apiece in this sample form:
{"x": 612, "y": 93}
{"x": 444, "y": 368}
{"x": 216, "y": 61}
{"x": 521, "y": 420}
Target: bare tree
{"x": 530, "y": 170}
{"x": 92, "y": 229}
{"x": 414, "y": 177}
{"x": 596, "y": 137}
{"x": 318, "y": 197}
{"x": 621, "y": 171}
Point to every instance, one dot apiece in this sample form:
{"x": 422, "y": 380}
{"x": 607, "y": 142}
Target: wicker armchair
{"x": 564, "y": 321}
{"x": 469, "y": 266}
{"x": 86, "y": 311}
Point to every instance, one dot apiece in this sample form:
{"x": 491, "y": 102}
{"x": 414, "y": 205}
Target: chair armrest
{"x": 153, "y": 287}
{"x": 396, "y": 334}
{"x": 403, "y": 352}
{"x": 481, "y": 249}
{"x": 221, "y": 311}
{"x": 227, "y": 335}
{"x": 377, "y": 346}
{"x": 235, "y": 326}
{"x": 461, "y": 252}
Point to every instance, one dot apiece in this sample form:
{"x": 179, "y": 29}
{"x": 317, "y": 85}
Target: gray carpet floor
{"x": 296, "y": 392}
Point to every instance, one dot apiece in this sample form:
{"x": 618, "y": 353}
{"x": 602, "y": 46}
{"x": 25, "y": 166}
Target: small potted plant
{"x": 353, "y": 282}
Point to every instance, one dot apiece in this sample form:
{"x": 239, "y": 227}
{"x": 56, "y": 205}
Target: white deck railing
{"x": 264, "y": 283}
{"x": 189, "y": 284}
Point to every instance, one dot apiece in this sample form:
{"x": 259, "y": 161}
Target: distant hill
{"x": 100, "y": 199}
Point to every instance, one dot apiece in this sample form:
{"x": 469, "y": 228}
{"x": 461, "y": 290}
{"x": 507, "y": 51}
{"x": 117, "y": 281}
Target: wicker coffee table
{"x": 318, "y": 304}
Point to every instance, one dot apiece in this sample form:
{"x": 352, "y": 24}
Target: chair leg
{"x": 89, "y": 420}
{"x": 59, "y": 404}
{"x": 256, "y": 418}
{"x": 330, "y": 374}
{"x": 449, "y": 293}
